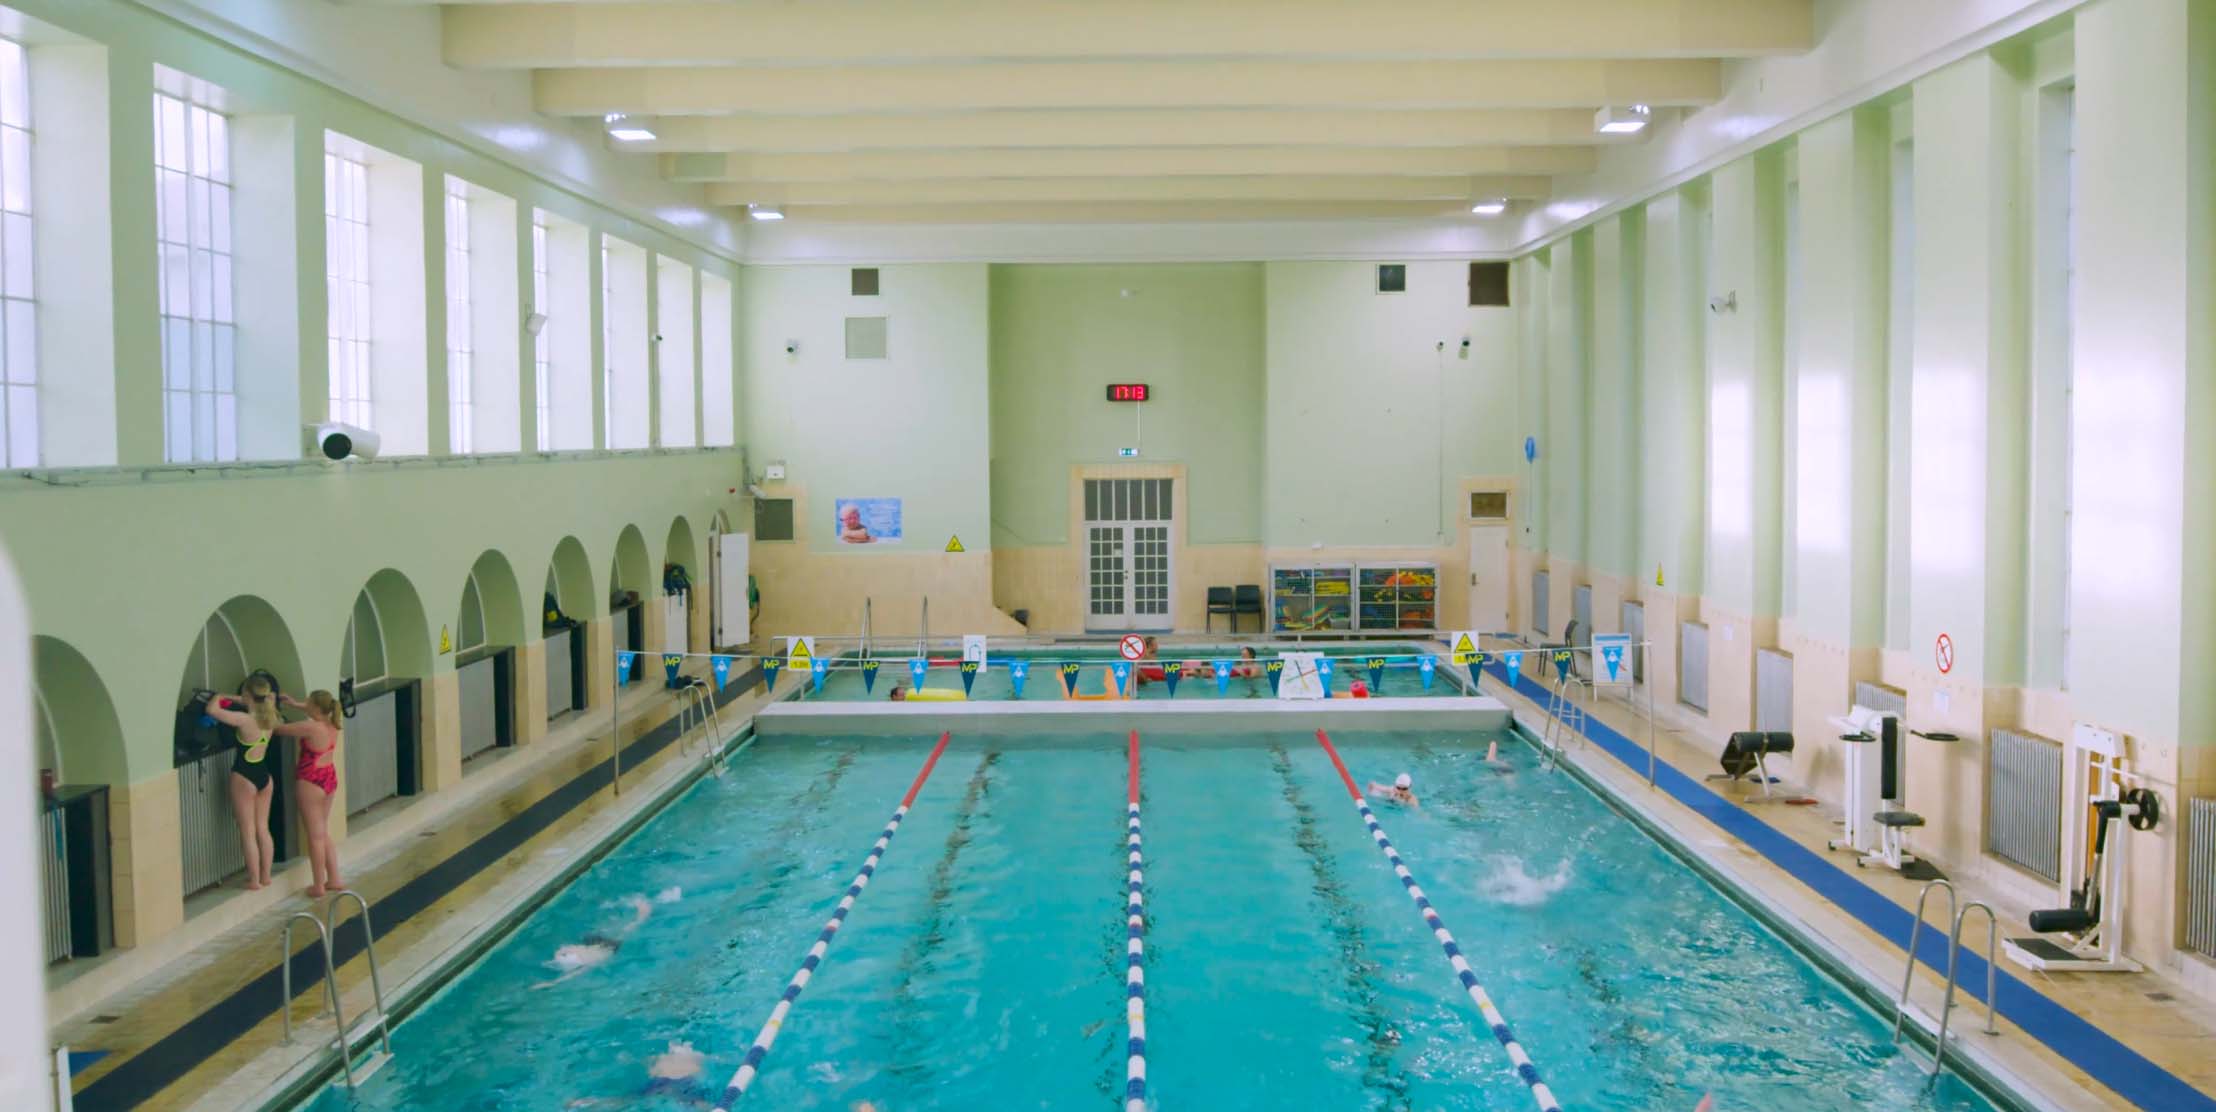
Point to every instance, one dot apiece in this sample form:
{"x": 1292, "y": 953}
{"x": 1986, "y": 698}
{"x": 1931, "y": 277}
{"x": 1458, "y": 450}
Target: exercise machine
{"x": 1748, "y": 751}
{"x": 1860, "y": 730}
{"x": 2088, "y": 935}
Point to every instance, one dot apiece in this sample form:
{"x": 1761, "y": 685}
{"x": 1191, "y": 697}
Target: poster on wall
{"x": 867, "y": 520}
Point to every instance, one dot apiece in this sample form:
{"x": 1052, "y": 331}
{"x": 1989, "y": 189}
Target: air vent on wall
{"x": 1489, "y": 284}
{"x": 773, "y": 519}
{"x": 863, "y": 280}
{"x": 1392, "y": 278}
{"x": 865, "y": 337}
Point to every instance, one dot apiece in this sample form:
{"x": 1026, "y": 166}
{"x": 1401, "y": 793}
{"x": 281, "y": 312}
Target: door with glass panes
{"x": 1127, "y": 554}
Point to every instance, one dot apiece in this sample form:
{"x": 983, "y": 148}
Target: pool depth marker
{"x": 776, "y": 1020}
{"x": 1516, "y": 1056}
{"x": 1134, "y": 977}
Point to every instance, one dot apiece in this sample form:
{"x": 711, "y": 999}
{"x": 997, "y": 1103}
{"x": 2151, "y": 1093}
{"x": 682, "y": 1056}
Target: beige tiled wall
{"x": 148, "y": 867}
{"x": 821, "y": 593}
{"x": 441, "y": 744}
{"x": 530, "y": 692}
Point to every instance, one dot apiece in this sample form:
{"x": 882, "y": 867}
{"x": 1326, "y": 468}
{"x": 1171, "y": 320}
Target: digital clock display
{"x": 1127, "y": 391}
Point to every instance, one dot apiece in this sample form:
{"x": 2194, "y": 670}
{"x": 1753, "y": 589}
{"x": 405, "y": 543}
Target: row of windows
{"x": 199, "y": 289}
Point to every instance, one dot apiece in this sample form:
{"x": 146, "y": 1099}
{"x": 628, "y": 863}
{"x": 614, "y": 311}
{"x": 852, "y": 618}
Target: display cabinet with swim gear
{"x": 1314, "y": 599}
{"x": 1400, "y": 597}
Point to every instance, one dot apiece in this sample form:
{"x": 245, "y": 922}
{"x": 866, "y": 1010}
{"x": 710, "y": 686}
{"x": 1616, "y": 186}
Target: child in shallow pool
{"x": 1401, "y": 791}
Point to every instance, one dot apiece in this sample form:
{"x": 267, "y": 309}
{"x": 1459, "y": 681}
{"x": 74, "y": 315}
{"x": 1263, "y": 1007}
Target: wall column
{"x": 1562, "y": 443}
{"x": 442, "y": 728}
{"x": 1672, "y": 389}
{"x": 148, "y": 867}
{"x": 529, "y": 708}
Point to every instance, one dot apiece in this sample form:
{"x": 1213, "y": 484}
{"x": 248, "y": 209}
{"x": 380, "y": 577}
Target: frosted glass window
{"x": 192, "y": 229}
{"x": 19, "y": 416}
{"x": 543, "y": 344}
{"x": 461, "y": 410}
{"x": 346, "y": 282}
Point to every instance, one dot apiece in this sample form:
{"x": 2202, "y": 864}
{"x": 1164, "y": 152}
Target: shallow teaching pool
{"x": 1398, "y": 675}
{"x": 1285, "y": 966}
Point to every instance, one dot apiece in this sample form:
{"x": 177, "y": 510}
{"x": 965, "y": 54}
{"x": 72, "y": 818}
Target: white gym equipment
{"x": 2109, "y": 803}
{"x": 1877, "y": 825}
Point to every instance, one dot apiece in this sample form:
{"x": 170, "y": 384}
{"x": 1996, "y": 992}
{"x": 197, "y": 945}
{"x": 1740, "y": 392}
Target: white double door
{"x": 1127, "y": 576}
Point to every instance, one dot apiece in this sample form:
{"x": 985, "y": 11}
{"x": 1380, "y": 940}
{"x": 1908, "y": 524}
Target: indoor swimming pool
{"x": 1285, "y": 968}
{"x": 1399, "y": 674}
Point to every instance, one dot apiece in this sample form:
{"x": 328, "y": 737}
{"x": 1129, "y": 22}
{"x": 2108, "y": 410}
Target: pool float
{"x": 935, "y": 695}
{"x": 1069, "y": 691}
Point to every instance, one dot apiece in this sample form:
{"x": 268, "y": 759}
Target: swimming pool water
{"x": 843, "y": 683}
{"x": 982, "y": 969}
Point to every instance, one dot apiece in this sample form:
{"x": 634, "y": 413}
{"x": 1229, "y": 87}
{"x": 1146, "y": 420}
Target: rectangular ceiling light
{"x": 1621, "y": 121}
{"x": 1493, "y": 207}
{"x": 765, "y": 212}
{"x": 627, "y": 130}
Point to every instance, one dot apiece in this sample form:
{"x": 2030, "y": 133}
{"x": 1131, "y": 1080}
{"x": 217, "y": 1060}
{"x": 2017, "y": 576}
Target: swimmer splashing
{"x": 576, "y": 959}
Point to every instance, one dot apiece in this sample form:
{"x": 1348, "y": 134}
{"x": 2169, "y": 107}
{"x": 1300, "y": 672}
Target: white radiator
{"x": 2200, "y": 876}
{"x": 1692, "y": 665}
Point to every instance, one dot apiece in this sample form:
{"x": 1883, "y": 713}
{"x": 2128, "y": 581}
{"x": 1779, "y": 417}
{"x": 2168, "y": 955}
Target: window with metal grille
{"x": 1489, "y": 284}
{"x": 773, "y": 519}
{"x": 192, "y": 233}
{"x": 346, "y": 273}
{"x": 1392, "y": 278}
{"x": 1127, "y": 499}
{"x": 460, "y": 348}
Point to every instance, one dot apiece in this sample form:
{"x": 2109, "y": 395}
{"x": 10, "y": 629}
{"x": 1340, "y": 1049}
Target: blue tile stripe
{"x": 1134, "y": 976}
{"x": 1462, "y": 971}
{"x": 2085, "y": 1046}
{"x": 767, "y": 1037}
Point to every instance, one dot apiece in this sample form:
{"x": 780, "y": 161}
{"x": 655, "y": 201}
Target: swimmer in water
{"x": 1493, "y": 760}
{"x": 1402, "y": 790}
{"x": 674, "y": 1074}
{"x": 598, "y": 949}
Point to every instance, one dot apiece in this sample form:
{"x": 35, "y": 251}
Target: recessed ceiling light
{"x": 626, "y": 129}
{"x": 1494, "y": 207}
{"x": 765, "y": 212}
{"x": 1622, "y": 121}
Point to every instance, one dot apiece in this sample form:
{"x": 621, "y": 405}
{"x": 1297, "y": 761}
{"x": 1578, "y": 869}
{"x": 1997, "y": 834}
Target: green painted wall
{"x": 1060, "y": 334}
{"x": 1373, "y": 414}
{"x": 911, "y": 426}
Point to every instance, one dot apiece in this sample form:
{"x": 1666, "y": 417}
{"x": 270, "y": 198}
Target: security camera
{"x": 792, "y": 347}
{"x": 338, "y": 441}
{"x": 1728, "y": 303}
{"x": 657, "y": 337}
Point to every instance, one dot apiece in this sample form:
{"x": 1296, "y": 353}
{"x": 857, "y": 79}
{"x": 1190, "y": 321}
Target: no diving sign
{"x": 1942, "y": 652}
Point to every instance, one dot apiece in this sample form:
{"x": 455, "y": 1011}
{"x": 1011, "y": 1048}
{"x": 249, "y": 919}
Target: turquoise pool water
{"x": 843, "y": 683}
{"x": 982, "y": 969}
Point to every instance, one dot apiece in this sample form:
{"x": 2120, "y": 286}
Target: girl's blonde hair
{"x": 326, "y": 705}
{"x": 261, "y": 700}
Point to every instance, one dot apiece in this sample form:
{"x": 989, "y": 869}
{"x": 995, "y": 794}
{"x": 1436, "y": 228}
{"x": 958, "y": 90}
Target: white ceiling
{"x": 927, "y": 112}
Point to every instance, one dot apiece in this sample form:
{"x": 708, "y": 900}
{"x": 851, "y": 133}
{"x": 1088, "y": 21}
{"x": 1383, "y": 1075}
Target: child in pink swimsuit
{"x": 317, "y": 774}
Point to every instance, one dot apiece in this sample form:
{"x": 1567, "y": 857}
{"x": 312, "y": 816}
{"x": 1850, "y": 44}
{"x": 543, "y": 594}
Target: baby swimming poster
{"x": 867, "y": 520}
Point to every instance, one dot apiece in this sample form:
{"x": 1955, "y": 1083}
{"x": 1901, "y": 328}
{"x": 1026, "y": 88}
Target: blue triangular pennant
{"x": 771, "y": 665}
{"x": 1069, "y": 670}
{"x": 1513, "y": 659}
{"x": 1122, "y": 671}
{"x": 917, "y": 667}
{"x": 1377, "y": 674}
{"x": 969, "y": 675}
{"x": 1170, "y": 674}
{"x": 1223, "y": 676}
{"x": 624, "y": 661}
{"x": 869, "y": 675}
{"x": 1275, "y": 670}
{"x": 818, "y": 669}
{"x": 1323, "y": 674}
{"x": 721, "y": 667}
{"x": 1018, "y": 671}
{"x": 671, "y": 663}
{"x": 1561, "y": 664}
{"x": 1426, "y": 666}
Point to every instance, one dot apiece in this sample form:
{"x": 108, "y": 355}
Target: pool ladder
{"x": 1957, "y": 913}
{"x": 1565, "y": 716}
{"x": 324, "y": 927}
{"x": 696, "y": 709}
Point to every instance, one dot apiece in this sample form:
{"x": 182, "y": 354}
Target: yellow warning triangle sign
{"x": 954, "y": 544}
{"x": 446, "y": 641}
{"x": 1657, "y": 575}
{"x": 1465, "y": 648}
{"x": 800, "y": 657}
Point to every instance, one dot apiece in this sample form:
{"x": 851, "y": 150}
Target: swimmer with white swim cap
{"x": 598, "y": 948}
{"x": 1402, "y": 790}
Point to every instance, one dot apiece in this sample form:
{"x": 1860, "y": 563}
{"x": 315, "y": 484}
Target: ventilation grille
{"x": 1581, "y": 607}
{"x": 2023, "y": 819}
{"x": 1489, "y": 284}
{"x": 1392, "y": 278}
{"x": 773, "y": 519}
{"x": 1773, "y": 691}
{"x": 54, "y": 877}
{"x": 2200, "y": 876}
{"x": 1635, "y": 625}
{"x": 865, "y": 337}
{"x": 1127, "y": 499}
{"x": 863, "y": 281}
{"x": 1879, "y": 697}
{"x": 1488, "y": 505}
{"x": 1692, "y": 665}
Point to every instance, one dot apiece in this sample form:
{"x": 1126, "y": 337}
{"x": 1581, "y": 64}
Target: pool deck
{"x": 488, "y": 865}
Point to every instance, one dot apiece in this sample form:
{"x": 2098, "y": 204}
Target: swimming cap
{"x": 1403, "y": 781}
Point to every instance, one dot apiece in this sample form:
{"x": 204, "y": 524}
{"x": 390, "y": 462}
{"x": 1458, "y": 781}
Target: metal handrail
{"x": 923, "y": 633}
{"x": 369, "y": 950}
{"x": 1954, "y": 913}
{"x": 865, "y": 625}
{"x": 1992, "y": 976}
{"x": 330, "y": 987}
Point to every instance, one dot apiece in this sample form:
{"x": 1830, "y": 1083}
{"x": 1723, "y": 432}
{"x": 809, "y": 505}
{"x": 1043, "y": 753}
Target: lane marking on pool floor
{"x": 1525, "y": 1069}
{"x": 749, "y": 1069}
{"x": 1134, "y": 977}
{"x": 2078, "y": 1041}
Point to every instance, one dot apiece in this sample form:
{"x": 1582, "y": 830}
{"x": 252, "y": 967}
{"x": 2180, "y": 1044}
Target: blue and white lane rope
{"x": 1516, "y": 1056}
{"x": 1134, "y": 977}
{"x": 776, "y": 1021}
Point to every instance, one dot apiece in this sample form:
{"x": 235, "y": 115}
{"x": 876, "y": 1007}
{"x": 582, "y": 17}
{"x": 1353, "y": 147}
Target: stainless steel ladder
{"x": 324, "y": 934}
{"x": 1957, "y": 913}
{"x": 696, "y": 709}
{"x": 1565, "y": 714}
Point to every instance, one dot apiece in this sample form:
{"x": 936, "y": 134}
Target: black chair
{"x": 1219, "y": 602}
{"x": 1246, "y": 598}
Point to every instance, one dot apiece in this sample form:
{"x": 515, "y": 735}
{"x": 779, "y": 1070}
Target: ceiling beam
{"x": 821, "y": 90}
{"x": 778, "y": 32}
{"x": 1125, "y": 128}
{"x": 1138, "y": 212}
{"x": 1133, "y": 162}
{"x": 1056, "y": 190}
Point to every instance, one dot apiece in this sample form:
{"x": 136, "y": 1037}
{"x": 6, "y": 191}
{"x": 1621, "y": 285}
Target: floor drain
{"x": 2160, "y": 997}
{"x": 106, "y": 1018}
